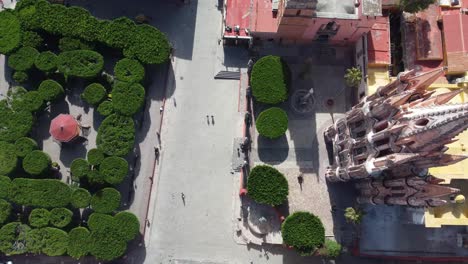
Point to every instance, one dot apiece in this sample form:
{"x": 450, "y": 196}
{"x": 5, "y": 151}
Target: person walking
{"x": 182, "y": 195}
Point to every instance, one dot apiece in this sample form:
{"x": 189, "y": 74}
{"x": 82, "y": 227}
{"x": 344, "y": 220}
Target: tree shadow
{"x": 272, "y": 151}
{"x": 70, "y": 151}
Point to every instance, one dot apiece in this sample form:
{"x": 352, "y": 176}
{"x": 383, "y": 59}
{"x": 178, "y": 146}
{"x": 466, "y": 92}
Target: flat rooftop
{"x": 325, "y": 8}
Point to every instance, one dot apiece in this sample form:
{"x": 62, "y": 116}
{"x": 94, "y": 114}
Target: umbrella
{"x": 64, "y": 128}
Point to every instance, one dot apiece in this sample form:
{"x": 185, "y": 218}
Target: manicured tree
{"x": 23, "y": 59}
{"x": 24, "y": 146}
{"x": 148, "y": 45}
{"x": 50, "y": 90}
{"x": 69, "y": 44}
{"x": 98, "y": 221}
{"x": 106, "y": 200}
{"x": 39, "y": 217}
{"x": 128, "y": 70}
{"x": 107, "y": 245}
{"x": 46, "y": 62}
{"x": 5, "y": 185}
{"x": 8, "y": 159}
{"x": 270, "y": 80}
{"x": 127, "y": 224}
{"x": 414, "y": 6}
{"x": 266, "y": 185}
{"x": 79, "y": 168}
{"x": 60, "y": 217}
{"x": 37, "y": 162}
{"x": 116, "y": 135}
{"x": 353, "y": 215}
{"x": 330, "y": 249}
{"x": 35, "y": 240}
{"x": 95, "y": 156}
{"x": 5, "y": 211}
{"x": 303, "y": 231}
{"x": 95, "y": 177}
{"x": 30, "y": 101}
{"x": 94, "y": 93}
{"x": 119, "y": 32}
{"x": 14, "y": 124}
{"x": 127, "y": 98}
{"x": 105, "y": 108}
{"x": 15, "y": 92}
{"x": 20, "y": 77}
{"x": 11, "y": 235}
{"x": 31, "y": 39}
{"x": 41, "y": 193}
{"x": 272, "y": 123}
{"x": 55, "y": 241}
{"x": 80, "y": 63}
{"x": 79, "y": 242}
{"x": 353, "y": 77}
{"x": 80, "y": 198}
{"x": 10, "y": 31}
{"x": 114, "y": 169}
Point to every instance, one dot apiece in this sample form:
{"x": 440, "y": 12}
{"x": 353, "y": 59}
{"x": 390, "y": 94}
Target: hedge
{"x": 119, "y": 32}
{"x": 127, "y": 98}
{"x": 8, "y": 158}
{"x": 12, "y": 233}
{"x": 95, "y": 156}
{"x": 23, "y": 59}
{"x": 106, "y": 200}
{"x": 48, "y": 240}
{"x": 94, "y": 93}
{"x": 30, "y": 101}
{"x": 266, "y": 185}
{"x": 20, "y": 77}
{"x": 5, "y": 185}
{"x": 272, "y": 123}
{"x": 95, "y": 177}
{"x": 39, "y": 217}
{"x": 303, "y": 231}
{"x": 14, "y": 123}
{"x": 46, "y": 62}
{"x": 10, "y": 32}
{"x": 114, "y": 169}
{"x": 5, "y": 211}
{"x": 79, "y": 242}
{"x": 80, "y": 198}
{"x": 105, "y": 108}
{"x": 41, "y": 193}
{"x": 50, "y": 90}
{"x": 269, "y": 80}
{"x": 31, "y": 39}
{"x": 60, "y": 217}
{"x": 79, "y": 168}
{"x": 37, "y": 162}
{"x": 331, "y": 249}
{"x": 107, "y": 241}
{"x": 69, "y": 44}
{"x": 128, "y": 70}
{"x": 149, "y": 45}
{"x": 98, "y": 221}
{"x": 15, "y": 92}
{"x": 116, "y": 135}
{"x": 80, "y": 63}
{"x": 24, "y": 146}
{"x": 127, "y": 224}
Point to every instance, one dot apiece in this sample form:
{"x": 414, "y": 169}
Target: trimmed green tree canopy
{"x": 127, "y": 224}
{"x": 24, "y": 146}
{"x": 23, "y": 59}
{"x": 10, "y": 32}
{"x": 114, "y": 169}
{"x": 119, "y": 32}
{"x": 50, "y": 90}
{"x": 266, "y": 185}
{"x": 14, "y": 123}
{"x": 48, "y": 240}
{"x": 37, "y": 162}
{"x": 80, "y": 198}
{"x": 94, "y": 93}
{"x": 80, "y": 63}
{"x": 107, "y": 240}
{"x": 303, "y": 231}
{"x": 106, "y": 200}
{"x": 95, "y": 156}
{"x": 10, "y": 234}
{"x": 116, "y": 135}
{"x": 20, "y": 76}
{"x": 414, "y": 6}
{"x": 95, "y": 177}
{"x": 30, "y": 101}
{"x": 8, "y": 159}
{"x": 31, "y": 39}
{"x": 128, "y": 70}
{"x": 127, "y": 98}
{"x": 39, "y": 217}
{"x": 99, "y": 221}
{"x": 269, "y": 80}
{"x": 5, "y": 211}
{"x": 331, "y": 249}
{"x": 5, "y": 185}
{"x": 60, "y": 217}
{"x": 46, "y": 62}
{"x": 69, "y": 44}
{"x": 41, "y": 193}
{"x": 105, "y": 108}
{"x": 272, "y": 123}
{"x": 79, "y": 242}
{"x": 149, "y": 45}
{"x": 79, "y": 168}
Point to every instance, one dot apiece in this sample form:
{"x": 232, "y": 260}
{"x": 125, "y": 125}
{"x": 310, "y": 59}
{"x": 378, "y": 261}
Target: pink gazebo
{"x": 64, "y": 128}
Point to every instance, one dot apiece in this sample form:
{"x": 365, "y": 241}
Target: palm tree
{"x": 414, "y": 6}
{"x": 353, "y": 215}
{"x": 353, "y": 77}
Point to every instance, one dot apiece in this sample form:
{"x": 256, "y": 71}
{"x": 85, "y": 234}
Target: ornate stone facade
{"x": 390, "y": 139}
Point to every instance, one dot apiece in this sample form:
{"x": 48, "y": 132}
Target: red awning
{"x": 64, "y": 128}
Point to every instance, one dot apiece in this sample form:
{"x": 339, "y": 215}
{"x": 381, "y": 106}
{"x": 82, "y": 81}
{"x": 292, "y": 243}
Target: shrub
{"x": 303, "y": 231}
{"x": 128, "y": 70}
{"x": 50, "y": 90}
{"x": 119, "y": 32}
{"x": 116, "y": 135}
{"x": 37, "y": 162}
{"x": 79, "y": 168}
{"x": 23, "y": 59}
{"x": 41, "y": 193}
{"x": 54, "y": 241}
{"x": 331, "y": 249}
{"x": 106, "y": 200}
{"x": 105, "y": 108}
{"x": 95, "y": 177}
{"x": 272, "y": 123}
{"x": 353, "y": 77}
{"x": 80, "y": 63}
{"x": 269, "y": 80}
{"x": 5, "y": 211}
{"x": 60, "y": 217}
{"x": 46, "y": 62}
{"x": 98, "y": 221}
{"x": 107, "y": 245}
{"x": 266, "y": 185}
{"x": 30, "y": 101}
{"x": 114, "y": 169}
{"x": 39, "y": 217}
{"x": 128, "y": 225}
{"x": 69, "y": 44}
{"x": 94, "y": 93}
{"x": 79, "y": 242}
{"x": 14, "y": 123}
{"x": 95, "y": 156}
{"x": 10, "y": 31}
{"x": 12, "y": 233}
{"x": 20, "y": 77}
{"x": 80, "y": 198}
{"x": 26, "y": 12}
{"x": 411, "y": 6}
{"x": 24, "y": 146}
{"x": 8, "y": 159}
{"x": 127, "y": 98}
{"x": 5, "y": 185}
{"x": 31, "y": 39}
{"x": 353, "y": 215}
{"x": 149, "y": 45}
